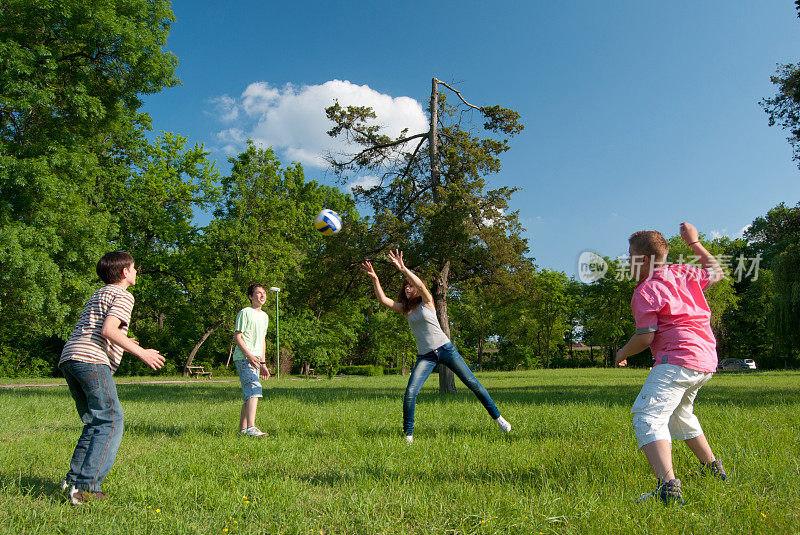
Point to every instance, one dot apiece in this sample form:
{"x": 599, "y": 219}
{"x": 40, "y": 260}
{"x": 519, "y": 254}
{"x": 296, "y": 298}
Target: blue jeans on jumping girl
{"x": 447, "y": 355}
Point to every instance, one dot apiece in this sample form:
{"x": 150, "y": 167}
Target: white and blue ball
{"x": 328, "y": 222}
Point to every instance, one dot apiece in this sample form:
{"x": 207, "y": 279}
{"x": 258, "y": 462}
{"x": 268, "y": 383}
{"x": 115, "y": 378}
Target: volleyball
{"x": 328, "y": 222}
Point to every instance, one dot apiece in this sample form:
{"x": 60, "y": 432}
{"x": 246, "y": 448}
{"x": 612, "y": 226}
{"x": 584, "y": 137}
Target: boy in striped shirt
{"x": 88, "y": 361}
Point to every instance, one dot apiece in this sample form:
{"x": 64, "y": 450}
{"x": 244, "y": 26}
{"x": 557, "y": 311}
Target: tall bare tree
{"x": 435, "y": 204}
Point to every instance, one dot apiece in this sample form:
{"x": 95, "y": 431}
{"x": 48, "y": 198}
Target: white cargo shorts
{"x": 664, "y": 409}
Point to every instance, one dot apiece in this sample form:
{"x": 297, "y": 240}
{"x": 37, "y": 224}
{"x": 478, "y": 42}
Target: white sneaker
{"x": 64, "y": 485}
{"x": 254, "y": 432}
{"x": 504, "y": 426}
{"x": 73, "y": 499}
{"x": 410, "y": 439}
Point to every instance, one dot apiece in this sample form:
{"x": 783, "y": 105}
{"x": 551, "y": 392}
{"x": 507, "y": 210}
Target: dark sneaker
{"x": 715, "y": 469}
{"x": 670, "y": 491}
{"x": 80, "y": 497}
{"x": 667, "y": 491}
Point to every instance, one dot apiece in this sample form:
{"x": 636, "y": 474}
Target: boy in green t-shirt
{"x": 249, "y": 356}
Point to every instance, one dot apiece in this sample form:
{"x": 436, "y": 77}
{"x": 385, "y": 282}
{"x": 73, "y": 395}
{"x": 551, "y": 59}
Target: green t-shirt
{"x": 252, "y": 324}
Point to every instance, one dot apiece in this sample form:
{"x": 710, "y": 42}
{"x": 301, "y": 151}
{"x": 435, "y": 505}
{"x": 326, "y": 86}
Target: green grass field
{"x": 336, "y": 461}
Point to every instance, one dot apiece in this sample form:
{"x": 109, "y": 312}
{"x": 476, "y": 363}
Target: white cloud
{"x": 226, "y": 108}
{"x": 234, "y": 135}
{"x": 258, "y": 97}
{"x": 292, "y": 119}
{"x": 716, "y": 234}
{"x": 365, "y": 181}
{"x": 743, "y": 230}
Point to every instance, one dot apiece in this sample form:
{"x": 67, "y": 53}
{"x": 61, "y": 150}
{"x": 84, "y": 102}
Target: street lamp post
{"x": 277, "y": 332}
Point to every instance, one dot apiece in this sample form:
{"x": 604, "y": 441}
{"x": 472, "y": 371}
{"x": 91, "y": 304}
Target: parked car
{"x": 736, "y": 364}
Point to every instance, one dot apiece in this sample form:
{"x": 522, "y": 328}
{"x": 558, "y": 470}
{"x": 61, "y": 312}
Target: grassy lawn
{"x": 336, "y": 461}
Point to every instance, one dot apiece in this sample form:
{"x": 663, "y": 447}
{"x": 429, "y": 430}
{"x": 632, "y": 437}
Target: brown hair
{"x": 110, "y": 267}
{"x": 252, "y": 289}
{"x": 407, "y": 304}
{"x": 649, "y": 243}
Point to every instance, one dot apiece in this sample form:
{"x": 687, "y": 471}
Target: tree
{"x": 787, "y": 302}
{"x": 473, "y": 312}
{"x": 749, "y": 329}
{"x": 773, "y": 233}
{"x": 784, "y": 108}
{"x": 551, "y": 303}
{"x": 262, "y": 232}
{"x": 774, "y": 238}
{"x": 572, "y": 315}
{"x": 386, "y": 341}
{"x": 607, "y": 317}
{"x": 435, "y": 204}
{"x": 71, "y": 77}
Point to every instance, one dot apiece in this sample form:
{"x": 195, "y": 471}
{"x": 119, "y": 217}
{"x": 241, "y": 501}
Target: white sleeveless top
{"x": 426, "y": 329}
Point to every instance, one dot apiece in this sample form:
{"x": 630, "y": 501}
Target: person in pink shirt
{"x": 673, "y": 319}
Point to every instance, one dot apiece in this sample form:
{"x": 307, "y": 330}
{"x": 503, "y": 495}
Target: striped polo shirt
{"x": 86, "y": 343}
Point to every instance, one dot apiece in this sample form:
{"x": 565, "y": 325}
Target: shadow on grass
{"x": 320, "y": 394}
{"x": 532, "y": 477}
{"x": 140, "y": 429}
{"x": 33, "y": 486}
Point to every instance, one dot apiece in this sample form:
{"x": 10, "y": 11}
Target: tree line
{"x": 81, "y": 173}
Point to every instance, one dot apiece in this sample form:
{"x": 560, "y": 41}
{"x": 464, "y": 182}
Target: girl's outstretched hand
{"x": 396, "y": 258}
{"x": 367, "y": 268}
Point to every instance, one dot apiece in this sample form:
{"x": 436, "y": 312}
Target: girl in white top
{"x": 415, "y": 302}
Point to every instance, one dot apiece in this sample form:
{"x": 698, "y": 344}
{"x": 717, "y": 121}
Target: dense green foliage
{"x": 71, "y": 77}
{"x": 336, "y": 461}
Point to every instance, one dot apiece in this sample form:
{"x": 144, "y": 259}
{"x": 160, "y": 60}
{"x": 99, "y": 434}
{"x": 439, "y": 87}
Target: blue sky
{"x": 638, "y": 115}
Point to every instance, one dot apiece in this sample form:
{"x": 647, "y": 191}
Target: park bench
{"x": 197, "y": 371}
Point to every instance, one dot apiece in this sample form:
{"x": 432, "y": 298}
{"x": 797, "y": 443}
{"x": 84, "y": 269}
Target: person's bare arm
{"x": 111, "y": 331}
{"x": 637, "y": 344}
{"x": 263, "y": 364}
{"x": 367, "y": 268}
{"x": 396, "y": 257}
{"x": 239, "y": 341}
{"x": 692, "y": 238}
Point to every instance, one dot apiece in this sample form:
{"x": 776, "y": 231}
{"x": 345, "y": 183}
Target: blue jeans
{"x": 95, "y": 394}
{"x": 447, "y": 355}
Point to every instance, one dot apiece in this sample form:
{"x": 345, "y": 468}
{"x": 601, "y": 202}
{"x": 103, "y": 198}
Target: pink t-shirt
{"x": 672, "y": 305}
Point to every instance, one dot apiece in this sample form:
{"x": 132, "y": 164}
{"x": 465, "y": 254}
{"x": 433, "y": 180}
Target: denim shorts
{"x": 248, "y": 376}
{"x": 664, "y": 409}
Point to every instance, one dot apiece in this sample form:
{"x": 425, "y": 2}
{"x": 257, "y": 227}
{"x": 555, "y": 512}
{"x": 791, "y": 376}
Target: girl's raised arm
{"x": 367, "y": 268}
{"x": 396, "y": 257}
